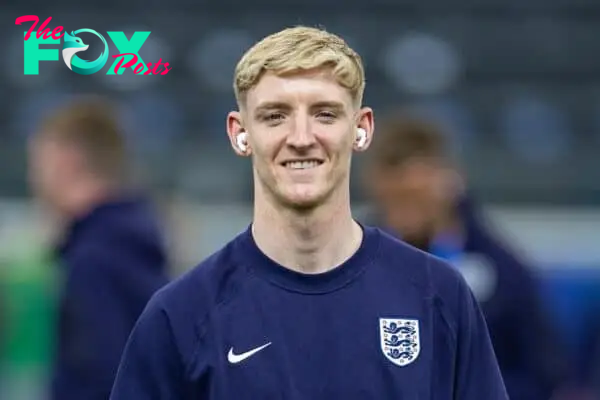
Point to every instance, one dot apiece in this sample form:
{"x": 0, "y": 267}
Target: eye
{"x": 273, "y": 117}
{"x": 326, "y": 116}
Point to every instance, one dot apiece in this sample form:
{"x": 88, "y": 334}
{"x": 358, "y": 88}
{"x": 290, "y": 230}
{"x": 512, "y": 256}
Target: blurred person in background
{"x": 420, "y": 197}
{"x": 110, "y": 247}
{"x": 595, "y": 369}
{"x": 591, "y": 348}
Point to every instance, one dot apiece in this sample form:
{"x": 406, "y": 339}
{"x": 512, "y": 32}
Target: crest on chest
{"x": 399, "y": 340}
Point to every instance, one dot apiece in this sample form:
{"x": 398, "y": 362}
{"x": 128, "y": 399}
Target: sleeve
{"x": 150, "y": 368}
{"x": 477, "y": 372}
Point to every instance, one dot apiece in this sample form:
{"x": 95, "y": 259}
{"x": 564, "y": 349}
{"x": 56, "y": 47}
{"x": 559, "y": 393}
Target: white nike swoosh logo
{"x": 236, "y": 358}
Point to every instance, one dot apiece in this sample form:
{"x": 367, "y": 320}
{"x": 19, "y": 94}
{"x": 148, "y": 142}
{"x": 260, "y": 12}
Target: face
{"x": 49, "y": 170}
{"x": 413, "y": 200}
{"x": 301, "y": 133}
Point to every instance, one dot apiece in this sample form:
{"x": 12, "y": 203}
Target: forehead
{"x": 46, "y": 145}
{"x": 302, "y": 88}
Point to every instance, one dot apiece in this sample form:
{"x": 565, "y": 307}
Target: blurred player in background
{"x": 307, "y": 303}
{"x": 595, "y": 368}
{"x": 110, "y": 251}
{"x": 421, "y": 198}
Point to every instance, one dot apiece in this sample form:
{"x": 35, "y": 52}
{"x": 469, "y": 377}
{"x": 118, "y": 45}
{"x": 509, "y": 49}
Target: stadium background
{"x": 517, "y": 83}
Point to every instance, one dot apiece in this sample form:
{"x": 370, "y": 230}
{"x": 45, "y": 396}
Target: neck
{"x": 449, "y": 223}
{"x": 85, "y": 196}
{"x": 310, "y": 242}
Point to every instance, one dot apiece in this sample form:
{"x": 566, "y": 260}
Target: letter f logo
{"x": 33, "y": 54}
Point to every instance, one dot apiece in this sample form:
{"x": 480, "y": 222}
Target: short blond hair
{"x": 297, "y": 49}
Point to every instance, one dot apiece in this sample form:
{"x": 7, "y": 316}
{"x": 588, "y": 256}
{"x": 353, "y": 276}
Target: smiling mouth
{"x": 301, "y": 164}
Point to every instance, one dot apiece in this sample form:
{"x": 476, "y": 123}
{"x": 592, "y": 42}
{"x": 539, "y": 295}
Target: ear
{"x": 234, "y": 128}
{"x": 365, "y": 121}
{"x": 450, "y": 184}
{"x": 456, "y": 183}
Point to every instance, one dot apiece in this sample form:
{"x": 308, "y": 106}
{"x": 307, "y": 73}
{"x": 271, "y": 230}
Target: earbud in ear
{"x": 361, "y": 137}
{"x": 241, "y": 141}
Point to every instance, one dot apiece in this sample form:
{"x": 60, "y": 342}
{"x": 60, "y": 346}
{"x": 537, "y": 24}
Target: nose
{"x": 301, "y": 136}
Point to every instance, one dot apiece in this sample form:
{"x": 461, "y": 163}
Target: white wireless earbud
{"x": 241, "y": 142}
{"x": 361, "y": 137}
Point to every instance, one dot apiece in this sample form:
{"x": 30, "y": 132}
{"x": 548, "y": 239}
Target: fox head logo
{"x": 73, "y": 44}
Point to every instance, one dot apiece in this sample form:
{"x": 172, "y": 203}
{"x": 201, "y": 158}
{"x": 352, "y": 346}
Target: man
{"x": 420, "y": 197}
{"x": 111, "y": 252}
{"x": 307, "y": 303}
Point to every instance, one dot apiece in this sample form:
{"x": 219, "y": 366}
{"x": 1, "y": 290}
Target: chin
{"x": 304, "y": 198}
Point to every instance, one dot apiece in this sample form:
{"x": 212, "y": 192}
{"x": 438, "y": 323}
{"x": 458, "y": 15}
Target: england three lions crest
{"x": 400, "y": 340}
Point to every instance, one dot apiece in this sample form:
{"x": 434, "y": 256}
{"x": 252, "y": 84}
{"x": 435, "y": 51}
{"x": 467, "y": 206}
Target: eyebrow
{"x": 271, "y": 105}
{"x": 334, "y": 105}
{"x": 278, "y": 105}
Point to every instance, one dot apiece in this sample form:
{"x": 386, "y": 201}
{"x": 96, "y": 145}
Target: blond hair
{"x": 300, "y": 49}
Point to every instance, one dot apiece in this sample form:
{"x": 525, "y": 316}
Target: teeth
{"x": 301, "y": 164}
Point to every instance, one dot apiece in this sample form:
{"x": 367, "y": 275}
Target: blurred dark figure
{"x": 420, "y": 197}
{"x": 111, "y": 251}
{"x": 595, "y": 369}
{"x": 592, "y": 356}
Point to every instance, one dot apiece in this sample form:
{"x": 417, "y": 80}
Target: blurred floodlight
{"x": 535, "y": 129}
{"x": 421, "y": 64}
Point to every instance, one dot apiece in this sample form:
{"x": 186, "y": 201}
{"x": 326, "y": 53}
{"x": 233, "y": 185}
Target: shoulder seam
{"x": 441, "y": 305}
{"x": 202, "y": 327}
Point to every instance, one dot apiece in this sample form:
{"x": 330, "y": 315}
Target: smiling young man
{"x": 307, "y": 303}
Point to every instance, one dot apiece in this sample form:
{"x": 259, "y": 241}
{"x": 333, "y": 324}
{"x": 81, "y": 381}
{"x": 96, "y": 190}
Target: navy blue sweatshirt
{"x": 113, "y": 261}
{"x": 390, "y": 323}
